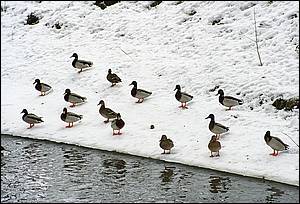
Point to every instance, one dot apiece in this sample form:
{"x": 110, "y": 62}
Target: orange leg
{"x": 30, "y": 126}
{"x": 73, "y": 105}
{"x": 69, "y": 126}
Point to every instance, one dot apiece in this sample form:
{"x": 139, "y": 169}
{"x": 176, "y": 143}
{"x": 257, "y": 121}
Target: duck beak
{"x": 217, "y": 94}
{"x": 34, "y": 82}
{"x": 174, "y": 89}
{"x": 207, "y": 117}
{"x": 130, "y": 84}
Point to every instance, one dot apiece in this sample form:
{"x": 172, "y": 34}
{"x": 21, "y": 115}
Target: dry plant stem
{"x": 256, "y": 40}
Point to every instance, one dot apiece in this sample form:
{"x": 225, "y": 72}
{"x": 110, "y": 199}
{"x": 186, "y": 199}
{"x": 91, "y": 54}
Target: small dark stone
{"x": 57, "y": 25}
{"x": 152, "y": 127}
{"x": 251, "y": 108}
{"x": 155, "y": 3}
{"x": 109, "y": 3}
{"x": 32, "y": 19}
{"x": 192, "y": 12}
{"x": 286, "y": 104}
{"x": 101, "y": 4}
{"x": 217, "y": 21}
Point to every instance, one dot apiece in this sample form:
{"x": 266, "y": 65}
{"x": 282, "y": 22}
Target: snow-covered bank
{"x": 165, "y": 46}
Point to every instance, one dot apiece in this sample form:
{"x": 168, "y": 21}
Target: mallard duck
{"x": 73, "y": 98}
{"x": 106, "y": 112}
{"x": 166, "y": 144}
{"x": 113, "y": 78}
{"x": 31, "y": 118}
{"x": 275, "y": 143}
{"x": 228, "y": 101}
{"x": 214, "y": 146}
{"x": 80, "y": 64}
{"x": 182, "y": 97}
{"x": 70, "y": 117}
{"x": 216, "y": 128}
{"x": 41, "y": 87}
{"x": 117, "y": 124}
{"x": 139, "y": 93}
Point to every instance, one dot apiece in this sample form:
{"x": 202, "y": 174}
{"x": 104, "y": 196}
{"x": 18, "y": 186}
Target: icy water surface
{"x": 43, "y": 171}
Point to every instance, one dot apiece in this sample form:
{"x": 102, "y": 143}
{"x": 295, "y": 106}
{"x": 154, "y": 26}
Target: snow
{"x": 165, "y": 45}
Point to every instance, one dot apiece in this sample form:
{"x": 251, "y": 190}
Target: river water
{"x": 43, "y": 171}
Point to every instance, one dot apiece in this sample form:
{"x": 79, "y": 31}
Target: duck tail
{"x": 241, "y": 102}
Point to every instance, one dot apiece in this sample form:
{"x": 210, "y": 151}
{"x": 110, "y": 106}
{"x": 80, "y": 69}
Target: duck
{"x": 216, "y": 128}
{"x": 166, "y": 144}
{"x": 73, "y": 98}
{"x": 214, "y": 146}
{"x": 106, "y": 112}
{"x": 182, "y": 96}
{"x": 113, "y": 78}
{"x": 275, "y": 143}
{"x": 42, "y": 87}
{"x": 31, "y": 118}
{"x": 139, "y": 93}
{"x": 228, "y": 101}
{"x": 80, "y": 64}
{"x": 117, "y": 124}
{"x": 70, "y": 117}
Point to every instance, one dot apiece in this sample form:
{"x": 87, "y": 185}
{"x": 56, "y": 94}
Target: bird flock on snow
{"x": 117, "y": 123}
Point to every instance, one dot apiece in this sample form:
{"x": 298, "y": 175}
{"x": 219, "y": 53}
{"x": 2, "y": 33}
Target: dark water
{"x": 42, "y": 171}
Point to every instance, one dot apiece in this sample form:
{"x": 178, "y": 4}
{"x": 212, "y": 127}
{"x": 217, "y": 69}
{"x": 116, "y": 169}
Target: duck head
{"x": 24, "y": 111}
{"x": 133, "y": 83}
{"x": 65, "y": 110}
{"x": 211, "y": 116}
{"x": 213, "y": 138}
{"x": 177, "y": 87}
{"x": 101, "y": 103}
{"x": 163, "y": 137}
{"x": 67, "y": 91}
{"x": 118, "y": 116}
{"x": 109, "y": 71}
{"x": 74, "y": 55}
{"x": 267, "y": 136}
{"x": 37, "y": 81}
{"x": 221, "y": 92}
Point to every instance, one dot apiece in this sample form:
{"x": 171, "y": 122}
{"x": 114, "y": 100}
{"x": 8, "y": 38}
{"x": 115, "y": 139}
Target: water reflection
{"x": 115, "y": 168}
{"x": 65, "y": 173}
{"x": 167, "y": 174}
{"x": 275, "y": 194}
{"x": 219, "y": 184}
{"x": 74, "y": 161}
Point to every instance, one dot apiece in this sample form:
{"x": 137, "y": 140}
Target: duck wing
{"x": 230, "y": 99}
{"x": 72, "y": 117}
{"x": 140, "y": 93}
{"x": 45, "y": 87}
{"x": 278, "y": 143}
{"x": 84, "y": 62}
{"x": 185, "y": 97}
{"x": 73, "y": 97}
{"x": 33, "y": 118}
{"x": 221, "y": 126}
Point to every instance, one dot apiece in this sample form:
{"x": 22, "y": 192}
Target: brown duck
{"x": 214, "y": 146}
{"x": 113, "y": 78}
{"x": 166, "y": 144}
